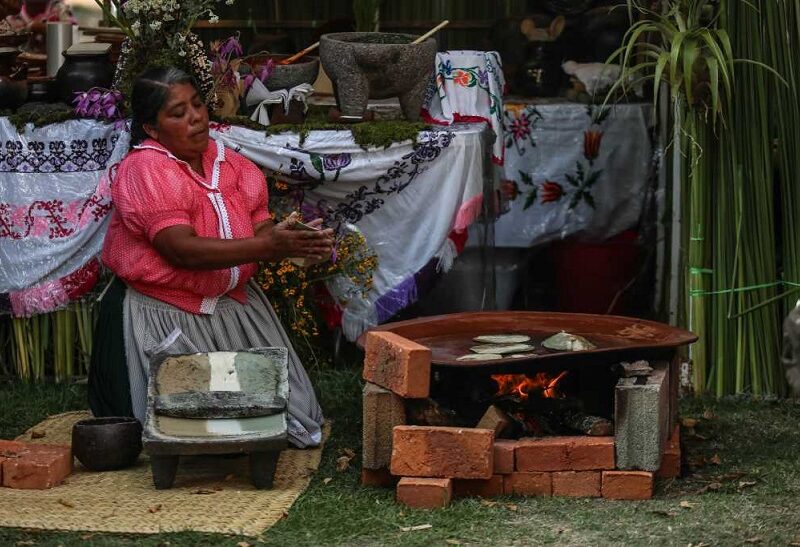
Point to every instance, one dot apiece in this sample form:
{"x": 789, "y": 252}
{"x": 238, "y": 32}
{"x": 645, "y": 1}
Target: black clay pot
{"x": 106, "y": 444}
{"x": 81, "y": 72}
{"x": 540, "y": 75}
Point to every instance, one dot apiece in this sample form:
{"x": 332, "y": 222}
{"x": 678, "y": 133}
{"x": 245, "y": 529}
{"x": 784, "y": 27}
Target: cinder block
{"x": 577, "y": 484}
{"x": 542, "y": 454}
{"x": 37, "y": 467}
{"x": 484, "y": 488}
{"x": 446, "y": 452}
{"x": 591, "y": 453}
{"x": 504, "y": 456}
{"x": 627, "y": 485}
{"x": 397, "y": 364}
{"x": 425, "y": 493}
{"x": 528, "y": 484}
{"x": 378, "y": 478}
{"x": 382, "y": 410}
{"x": 641, "y": 419}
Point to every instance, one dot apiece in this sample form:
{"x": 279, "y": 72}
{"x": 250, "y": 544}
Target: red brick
{"x": 577, "y": 484}
{"x": 38, "y": 467}
{"x": 529, "y": 484}
{"x": 546, "y": 454}
{"x": 398, "y": 364}
{"x": 425, "y": 493}
{"x": 504, "y": 456}
{"x": 382, "y": 410}
{"x": 494, "y": 419}
{"x": 378, "y": 478}
{"x": 591, "y": 453}
{"x": 485, "y": 488}
{"x": 671, "y": 459}
{"x": 446, "y": 452}
{"x": 627, "y": 485}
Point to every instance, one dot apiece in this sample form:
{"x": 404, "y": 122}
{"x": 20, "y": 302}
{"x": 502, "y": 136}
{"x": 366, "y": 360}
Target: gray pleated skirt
{"x": 152, "y": 326}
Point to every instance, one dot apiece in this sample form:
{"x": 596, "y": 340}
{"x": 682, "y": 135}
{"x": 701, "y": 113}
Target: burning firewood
{"x": 588, "y": 425}
{"x": 429, "y": 412}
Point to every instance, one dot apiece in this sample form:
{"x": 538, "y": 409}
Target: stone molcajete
{"x": 377, "y": 65}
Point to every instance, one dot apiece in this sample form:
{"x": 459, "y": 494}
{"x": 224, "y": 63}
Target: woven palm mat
{"x": 211, "y": 494}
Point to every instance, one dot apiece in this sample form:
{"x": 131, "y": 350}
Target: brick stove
{"x": 435, "y": 427}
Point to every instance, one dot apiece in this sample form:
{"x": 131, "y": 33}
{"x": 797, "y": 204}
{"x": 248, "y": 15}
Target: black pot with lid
{"x": 86, "y": 65}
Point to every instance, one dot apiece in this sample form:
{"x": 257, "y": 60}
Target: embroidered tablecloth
{"x": 411, "y": 202}
{"x": 54, "y": 208}
{"x": 579, "y": 170}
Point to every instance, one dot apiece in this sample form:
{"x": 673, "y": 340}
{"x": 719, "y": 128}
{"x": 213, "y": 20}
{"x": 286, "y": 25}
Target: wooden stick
{"x": 297, "y": 56}
{"x": 431, "y": 32}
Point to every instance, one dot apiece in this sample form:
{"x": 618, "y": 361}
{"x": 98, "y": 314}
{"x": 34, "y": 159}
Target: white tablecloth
{"x": 579, "y": 170}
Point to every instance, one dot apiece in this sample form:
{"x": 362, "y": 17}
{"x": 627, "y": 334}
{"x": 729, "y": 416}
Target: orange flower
{"x": 591, "y": 144}
{"x": 461, "y": 78}
{"x": 550, "y": 191}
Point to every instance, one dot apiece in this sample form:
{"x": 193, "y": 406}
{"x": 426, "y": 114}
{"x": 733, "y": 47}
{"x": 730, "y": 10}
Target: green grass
{"x": 757, "y": 442}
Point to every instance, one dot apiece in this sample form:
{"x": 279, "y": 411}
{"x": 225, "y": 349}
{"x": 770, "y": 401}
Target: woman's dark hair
{"x": 150, "y": 93}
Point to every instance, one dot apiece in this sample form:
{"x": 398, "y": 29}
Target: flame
{"x": 543, "y": 384}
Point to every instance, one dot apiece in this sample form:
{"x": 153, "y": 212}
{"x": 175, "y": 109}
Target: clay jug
{"x": 85, "y": 66}
{"x": 228, "y": 102}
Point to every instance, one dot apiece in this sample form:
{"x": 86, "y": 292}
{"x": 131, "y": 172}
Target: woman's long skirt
{"x": 152, "y": 327}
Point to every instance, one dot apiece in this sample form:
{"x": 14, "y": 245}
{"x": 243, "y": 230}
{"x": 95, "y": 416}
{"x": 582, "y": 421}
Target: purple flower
{"x": 248, "y": 82}
{"x": 446, "y": 67}
{"x": 483, "y": 77}
{"x": 265, "y": 71}
{"x": 98, "y": 103}
{"x": 334, "y": 162}
{"x": 231, "y": 48}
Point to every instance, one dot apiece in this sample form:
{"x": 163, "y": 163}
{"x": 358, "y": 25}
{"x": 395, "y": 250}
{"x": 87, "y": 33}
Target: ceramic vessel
{"x": 303, "y": 71}
{"x": 13, "y": 83}
{"x": 377, "y": 65}
{"x": 83, "y": 69}
{"x": 106, "y": 444}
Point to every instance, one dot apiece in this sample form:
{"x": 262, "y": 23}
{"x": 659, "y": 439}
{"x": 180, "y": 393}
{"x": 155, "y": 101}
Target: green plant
{"x": 366, "y": 14}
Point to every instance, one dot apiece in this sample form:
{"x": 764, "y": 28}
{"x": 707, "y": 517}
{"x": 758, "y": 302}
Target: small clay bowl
{"x": 303, "y": 71}
{"x": 106, "y": 444}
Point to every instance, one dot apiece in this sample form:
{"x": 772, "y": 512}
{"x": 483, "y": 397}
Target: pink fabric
{"x": 154, "y": 190}
{"x": 467, "y": 213}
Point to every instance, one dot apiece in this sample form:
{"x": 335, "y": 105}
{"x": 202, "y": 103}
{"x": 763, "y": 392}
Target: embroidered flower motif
{"x": 550, "y": 192}
{"x": 483, "y": 78}
{"x": 446, "y": 67}
{"x": 591, "y": 144}
{"x": 520, "y": 128}
{"x": 333, "y": 162}
{"x": 462, "y": 78}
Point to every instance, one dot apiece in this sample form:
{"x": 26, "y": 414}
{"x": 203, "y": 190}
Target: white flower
{"x": 155, "y": 25}
{"x": 214, "y": 19}
{"x": 230, "y": 2}
{"x": 181, "y": 53}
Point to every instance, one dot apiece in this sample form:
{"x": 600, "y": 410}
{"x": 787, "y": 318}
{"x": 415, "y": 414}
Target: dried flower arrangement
{"x": 158, "y": 33}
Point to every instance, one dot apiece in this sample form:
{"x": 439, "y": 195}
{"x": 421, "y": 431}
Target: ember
{"x": 541, "y": 384}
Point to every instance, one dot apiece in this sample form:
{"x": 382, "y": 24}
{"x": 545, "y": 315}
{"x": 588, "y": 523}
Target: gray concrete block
{"x": 382, "y": 411}
{"x": 641, "y": 419}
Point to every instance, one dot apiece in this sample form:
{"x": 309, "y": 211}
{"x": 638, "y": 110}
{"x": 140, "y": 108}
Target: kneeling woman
{"x": 190, "y": 224}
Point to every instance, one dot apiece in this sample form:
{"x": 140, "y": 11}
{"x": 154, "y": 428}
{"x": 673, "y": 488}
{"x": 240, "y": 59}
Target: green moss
{"x": 375, "y": 134}
{"x": 39, "y": 118}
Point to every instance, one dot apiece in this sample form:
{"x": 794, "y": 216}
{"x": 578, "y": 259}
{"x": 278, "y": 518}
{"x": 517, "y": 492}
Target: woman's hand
{"x": 284, "y": 240}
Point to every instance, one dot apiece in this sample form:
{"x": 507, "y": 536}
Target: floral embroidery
{"x": 584, "y": 178}
{"x": 18, "y": 156}
{"x": 285, "y": 195}
{"x": 51, "y": 217}
{"x": 518, "y": 125}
